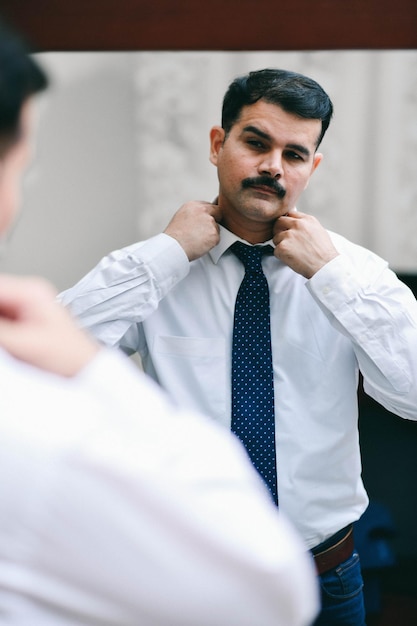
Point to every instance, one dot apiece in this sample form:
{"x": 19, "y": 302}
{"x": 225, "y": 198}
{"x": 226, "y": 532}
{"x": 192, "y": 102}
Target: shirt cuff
{"x": 335, "y": 283}
{"x": 166, "y": 258}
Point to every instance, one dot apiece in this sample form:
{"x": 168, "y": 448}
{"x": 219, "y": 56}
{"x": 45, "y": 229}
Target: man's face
{"x": 12, "y": 167}
{"x": 264, "y": 164}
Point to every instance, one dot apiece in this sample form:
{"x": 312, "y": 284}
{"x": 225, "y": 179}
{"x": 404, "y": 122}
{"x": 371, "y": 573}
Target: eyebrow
{"x": 263, "y": 135}
{"x": 256, "y": 131}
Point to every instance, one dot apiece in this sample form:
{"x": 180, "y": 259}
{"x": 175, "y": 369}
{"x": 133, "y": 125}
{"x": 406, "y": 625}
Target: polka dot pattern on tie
{"x": 253, "y": 414}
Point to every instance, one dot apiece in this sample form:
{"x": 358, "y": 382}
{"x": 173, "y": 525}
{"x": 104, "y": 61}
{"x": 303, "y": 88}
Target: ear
{"x": 217, "y": 135}
{"x": 318, "y": 157}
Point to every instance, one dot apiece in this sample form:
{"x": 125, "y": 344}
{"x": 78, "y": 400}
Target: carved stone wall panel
{"x": 172, "y": 135}
{"x": 389, "y": 185}
{"x": 397, "y": 166}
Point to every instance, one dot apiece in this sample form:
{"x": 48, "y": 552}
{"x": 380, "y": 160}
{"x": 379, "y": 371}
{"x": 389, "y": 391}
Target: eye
{"x": 293, "y": 156}
{"x": 256, "y": 144}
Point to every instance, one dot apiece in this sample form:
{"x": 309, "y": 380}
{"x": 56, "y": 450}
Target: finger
{"x": 282, "y": 223}
{"x": 9, "y": 309}
{"x": 18, "y": 294}
{"x": 13, "y": 296}
{"x": 25, "y": 288}
{"x": 10, "y": 335}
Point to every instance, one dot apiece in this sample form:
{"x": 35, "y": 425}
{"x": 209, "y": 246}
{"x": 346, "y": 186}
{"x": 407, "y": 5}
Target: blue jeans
{"x": 342, "y": 602}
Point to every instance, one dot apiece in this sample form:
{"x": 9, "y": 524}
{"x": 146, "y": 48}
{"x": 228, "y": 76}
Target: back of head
{"x": 20, "y": 78}
{"x": 293, "y": 92}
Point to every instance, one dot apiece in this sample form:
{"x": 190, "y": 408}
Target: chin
{"x": 263, "y": 214}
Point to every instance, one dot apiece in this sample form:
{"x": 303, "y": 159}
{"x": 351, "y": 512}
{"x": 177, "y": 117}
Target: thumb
{"x": 12, "y": 339}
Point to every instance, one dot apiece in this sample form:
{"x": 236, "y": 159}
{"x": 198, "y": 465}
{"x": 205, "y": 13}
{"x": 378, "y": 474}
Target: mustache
{"x": 265, "y": 181}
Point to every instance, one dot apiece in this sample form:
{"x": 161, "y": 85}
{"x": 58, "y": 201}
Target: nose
{"x": 271, "y": 165}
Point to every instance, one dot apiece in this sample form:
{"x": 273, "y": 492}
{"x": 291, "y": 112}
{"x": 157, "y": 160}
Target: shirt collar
{"x": 227, "y": 238}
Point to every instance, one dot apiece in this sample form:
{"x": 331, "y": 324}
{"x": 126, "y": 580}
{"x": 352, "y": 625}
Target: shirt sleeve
{"x": 125, "y": 288}
{"x": 367, "y": 302}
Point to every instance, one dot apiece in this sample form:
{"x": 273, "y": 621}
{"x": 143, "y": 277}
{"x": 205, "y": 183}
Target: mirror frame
{"x": 229, "y": 25}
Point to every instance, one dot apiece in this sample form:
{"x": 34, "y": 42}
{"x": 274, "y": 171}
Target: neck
{"x": 253, "y": 232}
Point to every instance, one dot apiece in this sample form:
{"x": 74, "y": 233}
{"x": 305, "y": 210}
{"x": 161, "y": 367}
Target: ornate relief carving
{"x": 407, "y": 167}
{"x": 171, "y": 131}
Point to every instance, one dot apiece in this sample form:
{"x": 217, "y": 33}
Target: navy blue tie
{"x": 253, "y": 414}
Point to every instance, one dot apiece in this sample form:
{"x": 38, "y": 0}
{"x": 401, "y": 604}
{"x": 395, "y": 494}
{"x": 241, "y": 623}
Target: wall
{"x": 123, "y": 141}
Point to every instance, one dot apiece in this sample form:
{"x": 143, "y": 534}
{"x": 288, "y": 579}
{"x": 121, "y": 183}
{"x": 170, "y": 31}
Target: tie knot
{"x": 250, "y": 256}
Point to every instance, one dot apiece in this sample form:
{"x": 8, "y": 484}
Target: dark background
{"x": 389, "y": 460}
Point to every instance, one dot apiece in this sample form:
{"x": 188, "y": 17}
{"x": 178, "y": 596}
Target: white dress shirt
{"x": 118, "y": 509}
{"x": 354, "y": 314}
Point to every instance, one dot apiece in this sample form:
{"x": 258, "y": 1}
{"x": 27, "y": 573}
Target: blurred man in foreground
{"x": 117, "y": 508}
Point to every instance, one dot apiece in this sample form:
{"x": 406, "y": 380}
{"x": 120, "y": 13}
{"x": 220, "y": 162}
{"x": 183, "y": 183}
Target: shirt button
{"x": 326, "y": 290}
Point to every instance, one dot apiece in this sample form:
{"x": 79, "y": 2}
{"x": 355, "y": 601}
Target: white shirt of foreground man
{"x": 118, "y": 509}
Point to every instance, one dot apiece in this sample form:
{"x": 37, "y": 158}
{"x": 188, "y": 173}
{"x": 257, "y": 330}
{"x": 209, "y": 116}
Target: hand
{"x": 36, "y": 329}
{"x": 195, "y": 227}
{"x": 302, "y": 243}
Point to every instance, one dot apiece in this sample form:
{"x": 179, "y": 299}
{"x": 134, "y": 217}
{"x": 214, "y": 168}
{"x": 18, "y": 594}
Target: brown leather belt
{"x": 335, "y": 554}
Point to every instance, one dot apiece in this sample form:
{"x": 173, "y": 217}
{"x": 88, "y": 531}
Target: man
{"x": 335, "y": 309}
{"x": 117, "y": 508}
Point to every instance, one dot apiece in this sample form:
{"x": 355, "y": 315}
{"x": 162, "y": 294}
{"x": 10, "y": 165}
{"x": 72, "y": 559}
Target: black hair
{"x": 291, "y": 91}
{"x": 20, "y": 78}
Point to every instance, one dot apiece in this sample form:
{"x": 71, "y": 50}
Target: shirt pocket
{"x": 193, "y": 370}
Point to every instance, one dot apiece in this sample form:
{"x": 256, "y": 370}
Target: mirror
{"x": 123, "y": 141}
